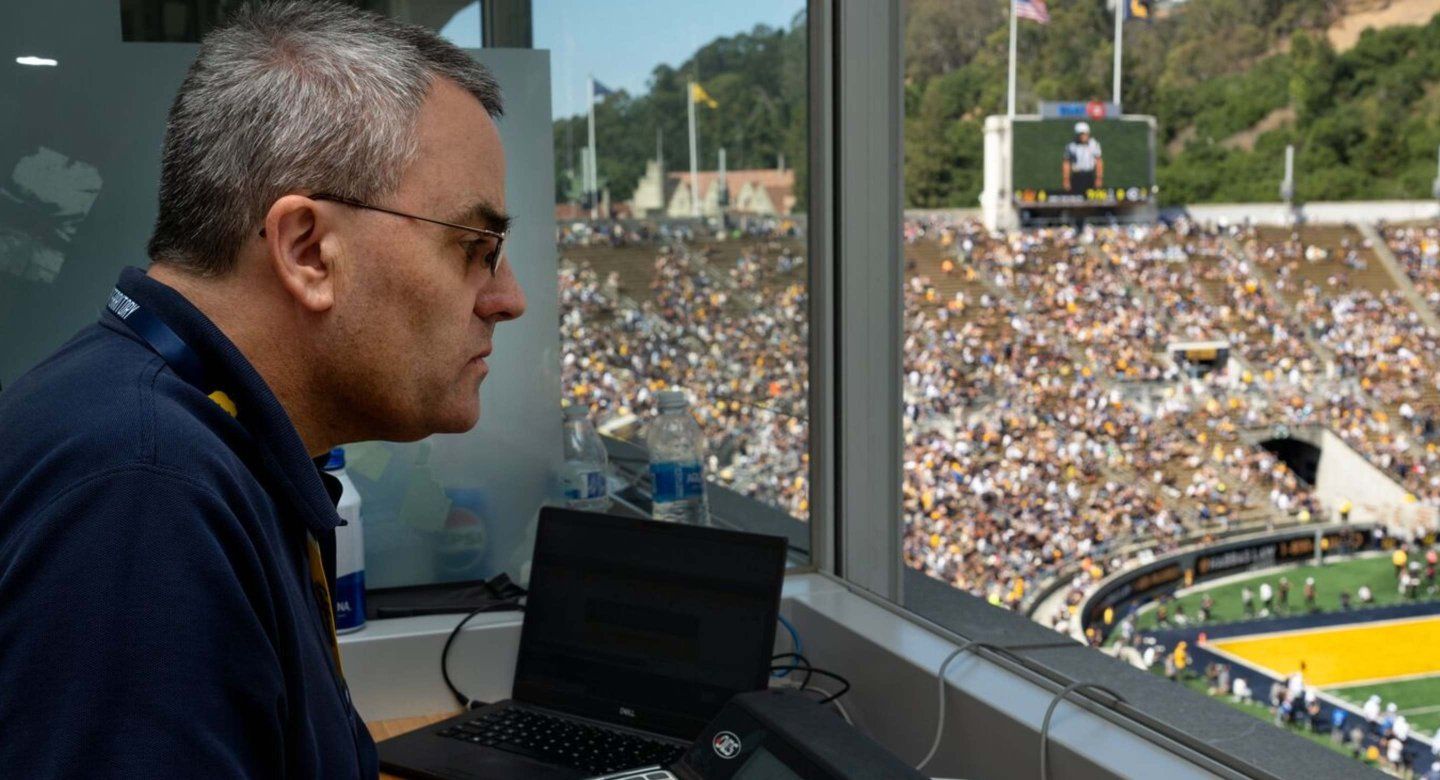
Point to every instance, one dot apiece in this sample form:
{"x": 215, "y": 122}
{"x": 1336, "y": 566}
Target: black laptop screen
{"x": 647, "y": 624}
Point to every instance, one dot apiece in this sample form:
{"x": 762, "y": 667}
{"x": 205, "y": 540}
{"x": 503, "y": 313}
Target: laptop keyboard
{"x": 562, "y": 741}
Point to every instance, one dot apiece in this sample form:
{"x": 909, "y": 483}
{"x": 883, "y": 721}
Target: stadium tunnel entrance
{"x": 1299, "y": 456}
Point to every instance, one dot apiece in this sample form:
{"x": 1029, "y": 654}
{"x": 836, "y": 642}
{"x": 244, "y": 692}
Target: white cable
{"x": 835, "y": 702}
{"x": 796, "y": 686}
{"x": 940, "y": 718}
{"x": 1054, "y": 703}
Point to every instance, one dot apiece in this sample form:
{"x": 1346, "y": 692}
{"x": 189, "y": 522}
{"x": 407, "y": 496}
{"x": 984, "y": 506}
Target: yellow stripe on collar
{"x": 223, "y": 401}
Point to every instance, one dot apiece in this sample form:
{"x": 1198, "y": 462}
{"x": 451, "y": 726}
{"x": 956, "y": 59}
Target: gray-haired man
{"x": 327, "y": 267}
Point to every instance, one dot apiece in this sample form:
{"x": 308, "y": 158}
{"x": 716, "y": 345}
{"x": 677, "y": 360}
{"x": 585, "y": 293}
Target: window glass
{"x": 672, "y": 282}
{"x": 79, "y": 179}
{"x": 1170, "y": 387}
{"x": 189, "y": 20}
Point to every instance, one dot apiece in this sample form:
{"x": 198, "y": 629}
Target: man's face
{"x": 1084, "y": 138}
{"x": 416, "y": 304}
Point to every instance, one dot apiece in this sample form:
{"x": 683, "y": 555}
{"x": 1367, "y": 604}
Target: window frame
{"x": 856, "y": 274}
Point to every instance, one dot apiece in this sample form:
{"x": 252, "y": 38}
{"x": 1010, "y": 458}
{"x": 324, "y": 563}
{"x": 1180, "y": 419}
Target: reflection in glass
{"x": 652, "y": 297}
{"x": 175, "y": 22}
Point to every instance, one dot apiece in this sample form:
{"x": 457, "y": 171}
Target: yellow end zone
{"x": 1342, "y": 655}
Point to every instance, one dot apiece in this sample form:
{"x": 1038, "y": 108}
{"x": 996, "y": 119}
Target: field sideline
{"x": 1395, "y": 659}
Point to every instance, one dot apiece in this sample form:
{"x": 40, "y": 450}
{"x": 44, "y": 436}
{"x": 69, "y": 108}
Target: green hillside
{"x": 758, "y": 80}
{"x": 1230, "y": 83}
{"x": 1366, "y": 122}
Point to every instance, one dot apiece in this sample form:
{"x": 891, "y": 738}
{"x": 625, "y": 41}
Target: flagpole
{"x": 1010, "y": 110}
{"x": 594, "y": 184}
{"x": 694, "y": 170}
{"x": 1119, "y": 46}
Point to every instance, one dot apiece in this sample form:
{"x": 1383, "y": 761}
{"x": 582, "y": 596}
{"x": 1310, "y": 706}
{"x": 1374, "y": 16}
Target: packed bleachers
{"x": 732, "y": 331}
{"x": 1047, "y": 428}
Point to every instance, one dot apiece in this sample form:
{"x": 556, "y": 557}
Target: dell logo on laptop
{"x": 726, "y": 744}
{"x": 627, "y": 712}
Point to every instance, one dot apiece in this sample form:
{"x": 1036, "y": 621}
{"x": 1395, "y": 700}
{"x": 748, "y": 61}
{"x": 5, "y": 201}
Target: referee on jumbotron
{"x": 1082, "y": 169}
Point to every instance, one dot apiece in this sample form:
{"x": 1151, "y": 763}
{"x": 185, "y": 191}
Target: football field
{"x": 1395, "y": 659}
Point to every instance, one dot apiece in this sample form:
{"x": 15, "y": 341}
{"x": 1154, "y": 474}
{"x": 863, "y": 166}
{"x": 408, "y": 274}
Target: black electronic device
{"x": 786, "y": 735}
{"x": 636, "y": 634}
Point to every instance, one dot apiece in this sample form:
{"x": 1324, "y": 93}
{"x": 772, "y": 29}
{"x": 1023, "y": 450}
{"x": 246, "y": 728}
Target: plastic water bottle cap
{"x": 575, "y": 412}
{"x": 672, "y": 399}
{"x": 336, "y": 460}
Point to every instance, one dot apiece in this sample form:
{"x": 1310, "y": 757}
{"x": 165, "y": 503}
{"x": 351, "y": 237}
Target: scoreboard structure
{"x": 1072, "y": 162}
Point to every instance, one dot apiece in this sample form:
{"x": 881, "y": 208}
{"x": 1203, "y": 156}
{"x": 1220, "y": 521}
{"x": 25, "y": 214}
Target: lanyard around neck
{"x": 160, "y": 337}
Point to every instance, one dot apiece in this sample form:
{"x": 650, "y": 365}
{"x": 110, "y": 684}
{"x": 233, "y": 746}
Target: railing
{"x": 728, "y": 508}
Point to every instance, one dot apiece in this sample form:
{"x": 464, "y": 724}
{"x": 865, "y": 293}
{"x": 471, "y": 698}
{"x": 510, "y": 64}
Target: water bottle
{"x": 677, "y": 452}
{"x": 583, "y": 476}
{"x": 349, "y": 596}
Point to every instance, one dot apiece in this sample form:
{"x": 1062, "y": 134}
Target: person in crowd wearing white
{"x": 1394, "y": 753}
{"x": 1295, "y": 684}
{"x": 1371, "y": 710}
{"x": 1240, "y": 692}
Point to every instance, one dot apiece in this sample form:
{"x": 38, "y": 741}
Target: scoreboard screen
{"x": 1055, "y": 166}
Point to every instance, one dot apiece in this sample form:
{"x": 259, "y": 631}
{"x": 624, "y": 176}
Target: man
{"x": 1082, "y": 169}
{"x": 161, "y": 531}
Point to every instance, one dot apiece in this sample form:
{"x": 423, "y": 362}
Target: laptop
{"x": 636, "y": 634}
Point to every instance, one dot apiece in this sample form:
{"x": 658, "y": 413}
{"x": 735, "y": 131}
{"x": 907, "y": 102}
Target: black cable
{"x": 836, "y": 678}
{"x": 463, "y": 700}
{"x": 802, "y": 659}
{"x": 811, "y": 670}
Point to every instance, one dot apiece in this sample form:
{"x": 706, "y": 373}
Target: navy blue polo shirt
{"x": 157, "y": 614}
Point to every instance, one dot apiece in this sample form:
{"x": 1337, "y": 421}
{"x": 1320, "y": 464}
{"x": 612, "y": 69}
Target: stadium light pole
{"x": 1119, "y": 46}
{"x": 1287, "y": 186}
{"x": 1435, "y": 188}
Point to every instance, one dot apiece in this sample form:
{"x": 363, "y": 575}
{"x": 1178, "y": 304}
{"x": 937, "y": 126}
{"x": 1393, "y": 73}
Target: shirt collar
{"x": 282, "y": 453}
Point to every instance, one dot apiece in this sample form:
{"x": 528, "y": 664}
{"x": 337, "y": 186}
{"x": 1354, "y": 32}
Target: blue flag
{"x": 601, "y": 90}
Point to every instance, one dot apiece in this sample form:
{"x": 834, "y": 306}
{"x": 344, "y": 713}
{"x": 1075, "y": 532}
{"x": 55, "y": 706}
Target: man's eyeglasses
{"x": 489, "y": 254}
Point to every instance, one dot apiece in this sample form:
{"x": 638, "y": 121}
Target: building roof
{"x": 734, "y": 180}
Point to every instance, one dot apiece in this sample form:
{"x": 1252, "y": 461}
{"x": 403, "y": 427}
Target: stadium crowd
{"x": 1048, "y": 427}
{"x": 735, "y": 337}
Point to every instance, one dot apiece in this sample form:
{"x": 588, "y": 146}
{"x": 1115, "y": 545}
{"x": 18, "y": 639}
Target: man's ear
{"x": 295, "y": 235}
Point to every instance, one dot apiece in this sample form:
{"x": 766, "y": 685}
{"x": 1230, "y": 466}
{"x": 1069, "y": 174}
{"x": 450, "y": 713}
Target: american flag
{"x": 1034, "y": 10}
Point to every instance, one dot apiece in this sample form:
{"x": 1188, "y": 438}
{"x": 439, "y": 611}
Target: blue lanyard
{"x": 161, "y": 338}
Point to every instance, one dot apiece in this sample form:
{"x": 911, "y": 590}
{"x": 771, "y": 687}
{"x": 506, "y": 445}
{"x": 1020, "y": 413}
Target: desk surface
{"x": 385, "y": 729}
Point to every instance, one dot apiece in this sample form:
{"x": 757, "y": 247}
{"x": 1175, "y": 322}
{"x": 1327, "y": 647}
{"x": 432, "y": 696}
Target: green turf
{"x": 1330, "y": 580}
{"x": 1262, "y": 712}
{"x": 1418, "y": 699}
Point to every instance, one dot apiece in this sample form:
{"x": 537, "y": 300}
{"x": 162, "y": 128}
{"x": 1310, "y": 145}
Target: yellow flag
{"x": 699, "y": 95}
